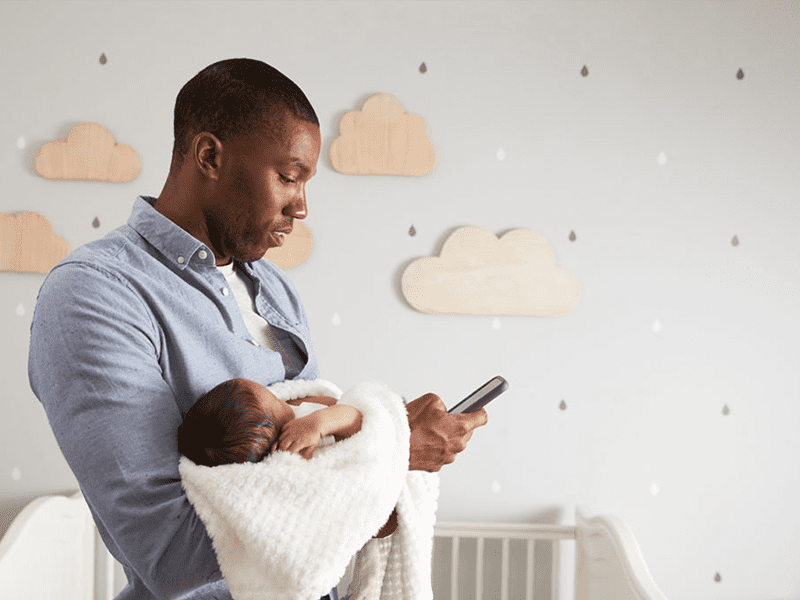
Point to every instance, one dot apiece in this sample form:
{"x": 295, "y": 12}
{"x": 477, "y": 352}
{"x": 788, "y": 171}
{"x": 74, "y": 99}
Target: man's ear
{"x": 206, "y": 151}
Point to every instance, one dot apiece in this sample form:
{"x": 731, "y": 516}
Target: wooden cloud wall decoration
{"x": 88, "y": 153}
{"x": 296, "y": 247}
{"x": 382, "y": 139}
{"x": 478, "y": 273}
{"x": 28, "y": 243}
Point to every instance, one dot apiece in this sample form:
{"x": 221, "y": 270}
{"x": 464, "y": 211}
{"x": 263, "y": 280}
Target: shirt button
{"x": 181, "y": 259}
{"x": 225, "y": 291}
{"x": 202, "y": 254}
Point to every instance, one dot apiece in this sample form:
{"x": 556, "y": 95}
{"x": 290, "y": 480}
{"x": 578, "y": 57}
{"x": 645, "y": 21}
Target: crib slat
{"x": 556, "y": 569}
{"x": 529, "y": 580}
{"x": 504, "y": 579}
{"x": 109, "y": 576}
{"x": 530, "y": 532}
{"x": 454, "y": 568}
{"x": 479, "y": 571}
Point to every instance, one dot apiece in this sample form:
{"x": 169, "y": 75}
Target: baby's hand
{"x": 300, "y": 436}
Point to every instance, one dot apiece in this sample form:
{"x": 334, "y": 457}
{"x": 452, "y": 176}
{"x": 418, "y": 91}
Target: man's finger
{"x": 474, "y": 419}
{"x": 430, "y": 399}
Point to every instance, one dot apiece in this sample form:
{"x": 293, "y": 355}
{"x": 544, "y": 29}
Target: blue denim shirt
{"x": 128, "y": 332}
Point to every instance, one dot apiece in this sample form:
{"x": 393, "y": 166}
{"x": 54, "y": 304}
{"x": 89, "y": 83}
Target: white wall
{"x": 643, "y": 436}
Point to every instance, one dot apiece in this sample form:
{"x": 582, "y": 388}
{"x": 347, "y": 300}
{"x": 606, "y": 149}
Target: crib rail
{"x": 52, "y": 550}
{"x": 609, "y": 562}
{"x": 49, "y": 551}
{"x": 530, "y": 534}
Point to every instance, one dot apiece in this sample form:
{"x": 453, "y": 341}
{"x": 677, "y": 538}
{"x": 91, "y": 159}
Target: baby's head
{"x": 235, "y": 422}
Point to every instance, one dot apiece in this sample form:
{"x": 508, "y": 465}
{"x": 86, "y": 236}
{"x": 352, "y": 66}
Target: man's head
{"x": 235, "y": 422}
{"x": 246, "y": 142}
{"x": 234, "y": 97}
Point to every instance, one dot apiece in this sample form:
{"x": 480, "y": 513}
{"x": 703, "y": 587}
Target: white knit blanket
{"x": 286, "y": 528}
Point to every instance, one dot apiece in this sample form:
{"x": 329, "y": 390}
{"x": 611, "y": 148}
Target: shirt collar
{"x": 176, "y": 244}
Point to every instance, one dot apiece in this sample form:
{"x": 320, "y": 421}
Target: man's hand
{"x": 436, "y": 435}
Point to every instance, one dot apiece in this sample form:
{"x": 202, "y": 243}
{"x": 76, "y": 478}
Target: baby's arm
{"x": 302, "y": 435}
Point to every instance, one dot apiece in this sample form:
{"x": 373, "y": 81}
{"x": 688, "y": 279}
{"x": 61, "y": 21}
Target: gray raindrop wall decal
{"x": 725, "y": 410}
{"x": 96, "y": 223}
{"x": 572, "y": 236}
{"x": 423, "y": 68}
{"x": 740, "y": 74}
{"x": 412, "y": 231}
{"x": 563, "y": 405}
{"x": 717, "y": 578}
{"x": 735, "y": 241}
{"x": 103, "y": 59}
{"x": 584, "y": 71}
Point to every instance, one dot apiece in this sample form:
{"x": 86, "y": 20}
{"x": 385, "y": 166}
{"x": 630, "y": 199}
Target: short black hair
{"x": 233, "y": 97}
{"x": 226, "y": 425}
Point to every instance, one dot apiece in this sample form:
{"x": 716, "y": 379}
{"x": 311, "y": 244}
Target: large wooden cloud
{"x": 28, "y": 243}
{"x": 88, "y": 153}
{"x": 382, "y": 139}
{"x": 478, "y": 273}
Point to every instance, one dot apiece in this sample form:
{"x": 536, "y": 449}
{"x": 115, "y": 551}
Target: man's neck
{"x": 177, "y": 202}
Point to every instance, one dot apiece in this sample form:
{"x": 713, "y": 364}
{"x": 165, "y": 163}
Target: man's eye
{"x": 286, "y": 179}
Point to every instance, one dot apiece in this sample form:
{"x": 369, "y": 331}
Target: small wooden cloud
{"x": 382, "y": 139}
{"x": 88, "y": 153}
{"x": 479, "y": 274}
{"x": 295, "y": 249}
{"x": 28, "y": 243}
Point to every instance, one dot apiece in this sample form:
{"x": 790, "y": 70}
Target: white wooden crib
{"x": 52, "y": 552}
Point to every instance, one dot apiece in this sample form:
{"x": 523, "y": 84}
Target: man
{"x": 131, "y": 329}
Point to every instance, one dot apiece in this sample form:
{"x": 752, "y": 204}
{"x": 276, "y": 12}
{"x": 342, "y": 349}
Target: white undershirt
{"x": 261, "y": 331}
{"x": 255, "y": 323}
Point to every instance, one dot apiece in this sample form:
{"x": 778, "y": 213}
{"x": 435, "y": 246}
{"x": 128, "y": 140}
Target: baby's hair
{"x": 226, "y": 425}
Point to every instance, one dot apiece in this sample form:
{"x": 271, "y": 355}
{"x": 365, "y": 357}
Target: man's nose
{"x": 298, "y": 208}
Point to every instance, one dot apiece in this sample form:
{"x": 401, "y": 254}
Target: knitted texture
{"x": 286, "y": 528}
{"x": 398, "y": 567}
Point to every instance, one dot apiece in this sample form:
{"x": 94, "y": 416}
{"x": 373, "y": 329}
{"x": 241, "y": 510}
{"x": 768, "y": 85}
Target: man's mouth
{"x": 280, "y": 236}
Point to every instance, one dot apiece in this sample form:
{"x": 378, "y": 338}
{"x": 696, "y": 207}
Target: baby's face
{"x": 278, "y": 410}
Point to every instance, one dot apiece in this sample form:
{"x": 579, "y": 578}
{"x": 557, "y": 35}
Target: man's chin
{"x": 253, "y": 258}
{"x": 249, "y": 254}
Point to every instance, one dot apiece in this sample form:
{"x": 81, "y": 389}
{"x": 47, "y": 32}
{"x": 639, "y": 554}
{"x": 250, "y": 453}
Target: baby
{"x": 242, "y": 421}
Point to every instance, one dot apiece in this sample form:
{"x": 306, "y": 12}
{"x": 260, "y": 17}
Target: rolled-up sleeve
{"x": 95, "y": 364}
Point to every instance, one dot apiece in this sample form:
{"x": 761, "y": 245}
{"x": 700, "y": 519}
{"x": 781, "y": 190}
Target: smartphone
{"x": 482, "y": 396}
